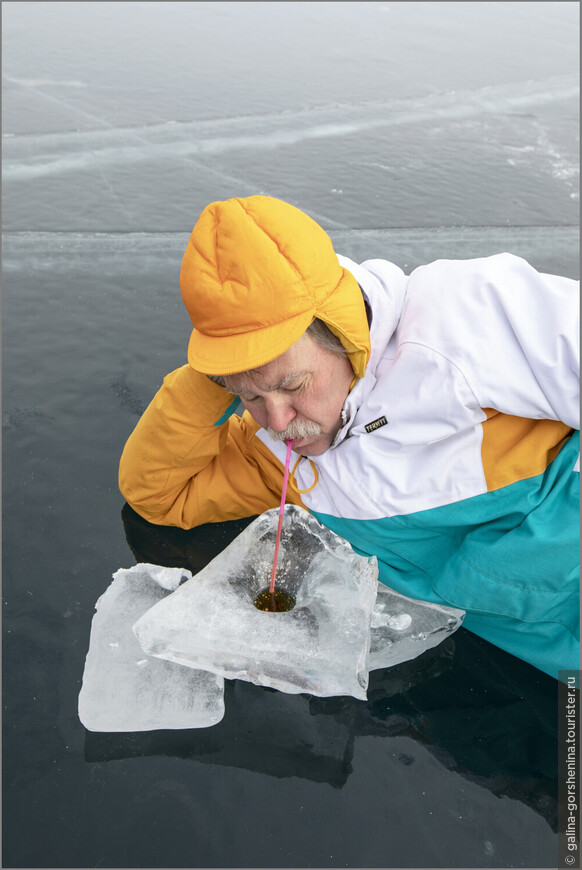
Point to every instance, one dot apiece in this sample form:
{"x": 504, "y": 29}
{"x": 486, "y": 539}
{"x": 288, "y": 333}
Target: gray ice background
{"x": 404, "y": 128}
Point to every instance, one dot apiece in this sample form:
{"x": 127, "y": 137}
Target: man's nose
{"x": 279, "y": 412}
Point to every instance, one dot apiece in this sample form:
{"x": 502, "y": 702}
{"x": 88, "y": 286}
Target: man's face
{"x": 298, "y": 395}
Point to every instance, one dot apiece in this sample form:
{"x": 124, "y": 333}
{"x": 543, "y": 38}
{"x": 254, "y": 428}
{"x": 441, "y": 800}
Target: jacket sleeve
{"x": 190, "y": 460}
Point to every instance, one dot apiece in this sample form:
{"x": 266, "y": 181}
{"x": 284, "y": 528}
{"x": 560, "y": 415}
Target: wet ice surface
{"x": 416, "y": 150}
{"x": 320, "y": 647}
{"x": 388, "y": 147}
{"x": 125, "y": 690}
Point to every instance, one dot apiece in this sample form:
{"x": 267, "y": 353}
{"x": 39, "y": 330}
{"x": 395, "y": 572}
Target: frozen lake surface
{"x": 410, "y": 131}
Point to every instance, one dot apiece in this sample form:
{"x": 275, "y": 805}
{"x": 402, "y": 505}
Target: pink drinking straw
{"x": 281, "y": 512}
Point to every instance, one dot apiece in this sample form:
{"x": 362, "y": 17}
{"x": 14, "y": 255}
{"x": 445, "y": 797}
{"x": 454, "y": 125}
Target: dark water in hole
{"x": 277, "y": 601}
{"x": 411, "y": 131}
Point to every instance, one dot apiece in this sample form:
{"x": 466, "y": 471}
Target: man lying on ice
{"x": 434, "y": 416}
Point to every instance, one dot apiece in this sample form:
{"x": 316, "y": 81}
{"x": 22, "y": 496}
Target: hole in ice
{"x": 277, "y": 601}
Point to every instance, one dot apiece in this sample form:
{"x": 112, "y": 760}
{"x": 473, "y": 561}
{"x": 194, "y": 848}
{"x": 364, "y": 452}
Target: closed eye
{"x": 246, "y": 398}
{"x": 300, "y": 386}
{"x": 282, "y": 387}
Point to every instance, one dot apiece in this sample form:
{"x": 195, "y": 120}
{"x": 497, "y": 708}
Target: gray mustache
{"x": 295, "y": 429}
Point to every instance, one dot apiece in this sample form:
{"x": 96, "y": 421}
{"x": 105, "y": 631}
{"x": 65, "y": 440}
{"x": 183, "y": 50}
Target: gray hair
{"x": 324, "y": 337}
{"x": 321, "y": 335}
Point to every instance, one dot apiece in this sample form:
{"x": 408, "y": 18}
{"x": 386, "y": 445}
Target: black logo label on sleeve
{"x": 375, "y": 424}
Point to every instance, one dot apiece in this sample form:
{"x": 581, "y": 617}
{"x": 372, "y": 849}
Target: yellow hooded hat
{"x": 256, "y": 273}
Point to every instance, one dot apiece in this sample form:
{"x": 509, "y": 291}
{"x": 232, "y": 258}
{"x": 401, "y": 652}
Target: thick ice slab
{"x": 344, "y": 624}
{"x": 125, "y": 690}
{"x": 403, "y": 628}
{"x": 320, "y": 647}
